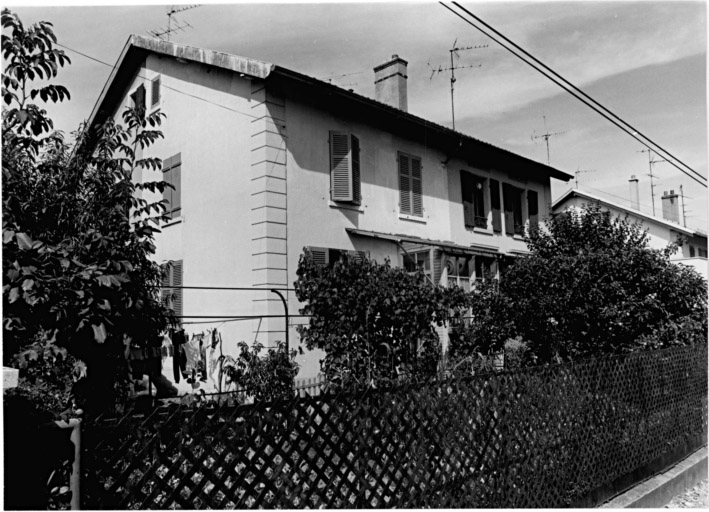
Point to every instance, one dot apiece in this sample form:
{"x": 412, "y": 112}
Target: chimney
{"x": 634, "y": 194}
{"x": 670, "y": 206}
{"x": 390, "y": 83}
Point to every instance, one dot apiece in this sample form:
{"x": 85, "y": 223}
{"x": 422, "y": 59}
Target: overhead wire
{"x": 575, "y": 91}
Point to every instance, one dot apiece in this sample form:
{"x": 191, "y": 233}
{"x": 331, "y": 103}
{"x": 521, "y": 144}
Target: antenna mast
{"x": 651, "y": 162}
{"x": 172, "y": 10}
{"x": 454, "y": 51}
{"x": 579, "y": 171}
{"x": 546, "y": 136}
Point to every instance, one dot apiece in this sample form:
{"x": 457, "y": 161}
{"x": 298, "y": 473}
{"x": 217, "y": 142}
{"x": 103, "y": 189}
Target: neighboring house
{"x": 661, "y": 231}
{"x": 266, "y": 161}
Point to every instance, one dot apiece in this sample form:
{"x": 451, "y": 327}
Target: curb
{"x": 659, "y": 490}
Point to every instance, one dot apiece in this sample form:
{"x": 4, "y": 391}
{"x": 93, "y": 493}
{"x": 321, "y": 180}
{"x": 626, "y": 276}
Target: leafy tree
{"x": 590, "y": 285}
{"x": 375, "y": 323}
{"x": 266, "y": 378}
{"x": 77, "y": 231}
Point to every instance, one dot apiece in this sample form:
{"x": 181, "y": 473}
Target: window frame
{"x": 480, "y": 199}
{"x": 514, "y": 200}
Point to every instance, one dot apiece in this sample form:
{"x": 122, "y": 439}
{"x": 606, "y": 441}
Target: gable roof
{"x": 330, "y": 97}
{"x": 569, "y": 194}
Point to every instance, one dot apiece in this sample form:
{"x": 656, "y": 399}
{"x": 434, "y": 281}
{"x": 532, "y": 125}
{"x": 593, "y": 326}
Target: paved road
{"x": 696, "y": 497}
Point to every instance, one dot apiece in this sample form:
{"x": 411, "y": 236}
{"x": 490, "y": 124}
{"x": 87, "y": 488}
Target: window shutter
{"x": 164, "y": 283}
{"x": 356, "y": 178}
{"x": 466, "y": 187}
{"x": 509, "y": 209}
{"x": 416, "y": 187}
{"x": 155, "y": 92}
{"x": 533, "y": 208}
{"x": 320, "y": 255}
{"x": 358, "y": 256}
{"x": 177, "y": 281}
{"x": 439, "y": 263}
{"x": 495, "y": 203}
{"x": 340, "y": 167}
{"x": 404, "y": 185}
{"x": 140, "y": 99}
{"x": 177, "y": 193}
{"x": 166, "y": 177}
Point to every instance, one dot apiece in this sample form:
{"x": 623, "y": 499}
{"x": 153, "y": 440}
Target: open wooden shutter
{"x": 176, "y": 177}
{"x": 416, "y": 187}
{"x": 495, "y": 204}
{"x": 155, "y": 92}
{"x": 507, "y": 197}
{"x": 439, "y": 263}
{"x": 356, "y": 179}
{"x": 533, "y": 208}
{"x": 404, "y": 185}
{"x": 340, "y": 167}
{"x": 320, "y": 255}
{"x": 466, "y": 188}
{"x": 167, "y": 178}
{"x": 177, "y": 281}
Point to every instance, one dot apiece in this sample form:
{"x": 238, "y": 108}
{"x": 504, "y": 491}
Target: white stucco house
{"x": 267, "y": 161}
{"x": 661, "y": 231}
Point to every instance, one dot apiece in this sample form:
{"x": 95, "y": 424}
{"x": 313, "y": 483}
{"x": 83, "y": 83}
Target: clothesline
{"x": 226, "y": 288}
{"x": 244, "y": 317}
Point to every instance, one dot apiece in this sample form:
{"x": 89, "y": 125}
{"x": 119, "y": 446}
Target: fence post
{"x": 75, "y": 479}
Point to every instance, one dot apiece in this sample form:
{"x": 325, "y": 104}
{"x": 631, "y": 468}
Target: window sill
{"x": 482, "y": 231}
{"x": 412, "y": 218}
{"x": 172, "y": 222}
{"x": 518, "y": 237}
{"x": 346, "y": 206}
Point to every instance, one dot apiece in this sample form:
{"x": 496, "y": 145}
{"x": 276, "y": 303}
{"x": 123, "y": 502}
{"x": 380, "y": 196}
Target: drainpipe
{"x": 285, "y": 306}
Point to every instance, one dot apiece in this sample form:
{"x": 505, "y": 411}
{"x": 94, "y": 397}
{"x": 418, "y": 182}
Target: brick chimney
{"x": 670, "y": 206}
{"x": 390, "y": 83}
{"x": 634, "y": 194}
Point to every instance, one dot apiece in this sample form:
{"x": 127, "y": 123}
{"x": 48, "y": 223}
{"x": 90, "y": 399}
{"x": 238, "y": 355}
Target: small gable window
{"x": 345, "y": 177}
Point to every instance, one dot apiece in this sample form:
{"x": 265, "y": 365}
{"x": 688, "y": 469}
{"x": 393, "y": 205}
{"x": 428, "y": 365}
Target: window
{"x": 485, "y": 268}
{"x": 420, "y": 260}
{"x": 691, "y": 251}
{"x": 138, "y": 98}
{"x": 514, "y": 221}
{"x": 172, "y": 277}
{"x": 172, "y": 174}
{"x": 410, "y": 187}
{"x": 459, "y": 269}
{"x": 473, "y": 192}
{"x": 533, "y": 208}
{"x": 702, "y": 253}
{"x": 155, "y": 92}
{"x": 344, "y": 168}
{"x": 328, "y": 257}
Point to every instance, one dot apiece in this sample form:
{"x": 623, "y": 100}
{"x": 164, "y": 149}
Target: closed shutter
{"x": 416, "y": 187}
{"x": 356, "y": 179}
{"x": 155, "y": 92}
{"x": 495, "y": 203}
{"x": 466, "y": 187}
{"x": 358, "y": 256}
{"x": 404, "y": 185}
{"x": 533, "y": 208}
{"x": 507, "y": 198}
{"x": 340, "y": 167}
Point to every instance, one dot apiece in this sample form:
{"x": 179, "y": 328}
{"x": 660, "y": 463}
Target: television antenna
{"x": 171, "y": 11}
{"x": 546, "y": 136}
{"x": 579, "y": 171}
{"x": 651, "y": 161}
{"x": 455, "y": 51}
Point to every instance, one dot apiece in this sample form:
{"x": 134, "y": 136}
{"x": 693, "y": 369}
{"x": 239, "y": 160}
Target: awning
{"x": 451, "y": 247}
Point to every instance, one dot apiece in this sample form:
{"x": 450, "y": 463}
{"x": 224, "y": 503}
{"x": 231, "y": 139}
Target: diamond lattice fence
{"x": 542, "y": 437}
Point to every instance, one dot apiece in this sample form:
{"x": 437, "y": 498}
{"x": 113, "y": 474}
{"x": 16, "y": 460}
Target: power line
{"x": 570, "y": 88}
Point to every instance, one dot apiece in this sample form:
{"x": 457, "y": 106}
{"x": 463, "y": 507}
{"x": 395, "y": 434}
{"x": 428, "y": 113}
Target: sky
{"x": 644, "y": 60}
